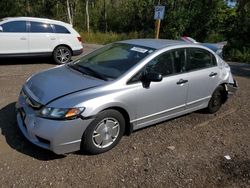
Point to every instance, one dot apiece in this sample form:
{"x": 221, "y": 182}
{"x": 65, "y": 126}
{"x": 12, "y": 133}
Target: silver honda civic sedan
{"x": 89, "y": 104}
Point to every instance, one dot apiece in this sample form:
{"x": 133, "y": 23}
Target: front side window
{"x": 168, "y": 63}
{"x": 14, "y": 27}
{"x": 163, "y": 64}
{"x": 199, "y": 59}
{"x": 112, "y": 60}
{"x": 38, "y": 27}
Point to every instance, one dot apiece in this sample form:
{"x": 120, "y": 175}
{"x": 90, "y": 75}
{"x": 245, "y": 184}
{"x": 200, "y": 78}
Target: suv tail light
{"x": 79, "y": 39}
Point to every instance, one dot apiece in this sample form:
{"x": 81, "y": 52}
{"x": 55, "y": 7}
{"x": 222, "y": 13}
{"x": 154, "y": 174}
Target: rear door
{"x": 42, "y": 38}
{"x": 14, "y": 38}
{"x": 202, "y": 77}
{"x": 67, "y": 35}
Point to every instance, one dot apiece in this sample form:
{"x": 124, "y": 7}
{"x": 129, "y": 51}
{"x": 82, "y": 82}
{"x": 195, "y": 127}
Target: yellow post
{"x": 157, "y": 25}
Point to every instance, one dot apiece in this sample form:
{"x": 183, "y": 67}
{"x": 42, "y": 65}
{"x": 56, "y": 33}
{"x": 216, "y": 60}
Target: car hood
{"x": 58, "y": 82}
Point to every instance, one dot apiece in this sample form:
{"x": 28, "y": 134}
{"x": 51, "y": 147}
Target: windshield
{"x": 111, "y": 61}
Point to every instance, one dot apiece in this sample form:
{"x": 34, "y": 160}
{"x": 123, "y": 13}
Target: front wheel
{"x": 62, "y": 55}
{"x": 216, "y": 100}
{"x": 104, "y": 132}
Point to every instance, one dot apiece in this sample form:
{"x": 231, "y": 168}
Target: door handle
{"x": 181, "y": 81}
{"x": 213, "y": 74}
{"x": 53, "y": 38}
{"x": 23, "y": 38}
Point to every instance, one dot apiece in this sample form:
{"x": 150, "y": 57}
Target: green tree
{"x": 238, "y": 47}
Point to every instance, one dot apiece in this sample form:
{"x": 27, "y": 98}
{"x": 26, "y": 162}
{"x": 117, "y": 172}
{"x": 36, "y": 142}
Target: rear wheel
{"x": 104, "y": 132}
{"x": 216, "y": 100}
{"x": 62, "y": 55}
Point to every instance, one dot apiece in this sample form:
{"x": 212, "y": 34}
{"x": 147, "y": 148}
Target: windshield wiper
{"x": 94, "y": 73}
{"x": 75, "y": 67}
{"x": 88, "y": 71}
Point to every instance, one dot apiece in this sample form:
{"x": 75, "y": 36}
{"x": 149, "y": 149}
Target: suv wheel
{"x": 62, "y": 55}
{"x": 104, "y": 132}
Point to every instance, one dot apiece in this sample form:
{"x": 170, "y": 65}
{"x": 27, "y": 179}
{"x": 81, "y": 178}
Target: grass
{"x": 239, "y": 55}
{"x": 105, "y": 38}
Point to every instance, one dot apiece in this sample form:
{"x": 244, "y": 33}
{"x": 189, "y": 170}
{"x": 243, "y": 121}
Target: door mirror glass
{"x": 1, "y": 29}
{"x": 152, "y": 77}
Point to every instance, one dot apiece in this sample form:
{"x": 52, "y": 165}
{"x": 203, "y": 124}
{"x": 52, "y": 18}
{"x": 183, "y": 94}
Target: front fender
{"x": 96, "y": 106}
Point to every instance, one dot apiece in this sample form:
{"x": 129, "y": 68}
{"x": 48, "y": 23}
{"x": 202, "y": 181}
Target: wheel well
{"x": 224, "y": 93}
{"x": 65, "y": 45}
{"x": 128, "y": 126}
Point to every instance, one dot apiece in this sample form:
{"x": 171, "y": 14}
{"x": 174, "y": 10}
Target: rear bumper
{"x": 77, "y": 52}
{"x": 232, "y": 87}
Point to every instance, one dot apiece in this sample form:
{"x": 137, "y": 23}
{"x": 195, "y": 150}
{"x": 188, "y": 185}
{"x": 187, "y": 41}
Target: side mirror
{"x": 1, "y": 29}
{"x": 150, "y": 77}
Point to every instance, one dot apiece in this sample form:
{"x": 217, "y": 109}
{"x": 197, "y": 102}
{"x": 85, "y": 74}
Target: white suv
{"x": 26, "y": 36}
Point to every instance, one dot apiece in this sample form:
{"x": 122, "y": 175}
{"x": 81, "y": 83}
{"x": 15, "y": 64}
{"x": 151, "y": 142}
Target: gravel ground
{"x": 184, "y": 152}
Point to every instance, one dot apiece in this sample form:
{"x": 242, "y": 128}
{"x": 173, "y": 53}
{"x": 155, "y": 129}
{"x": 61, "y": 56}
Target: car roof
{"x": 34, "y": 19}
{"x": 154, "y": 43}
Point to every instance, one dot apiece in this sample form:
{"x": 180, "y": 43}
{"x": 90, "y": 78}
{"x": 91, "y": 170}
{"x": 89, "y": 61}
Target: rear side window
{"x": 39, "y": 27}
{"x": 15, "y": 27}
{"x": 61, "y": 29}
{"x": 199, "y": 59}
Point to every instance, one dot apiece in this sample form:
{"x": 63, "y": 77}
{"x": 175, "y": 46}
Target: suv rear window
{"x": 61, "y": 29}
{"x": 14, "y": 27}
{"x": 39, "y": 27}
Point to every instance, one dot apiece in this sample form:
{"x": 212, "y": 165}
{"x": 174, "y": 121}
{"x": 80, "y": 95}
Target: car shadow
{"x": 25, "y": 60}
{"x": 14, "y": 138}
{"x": 240, "y": 69}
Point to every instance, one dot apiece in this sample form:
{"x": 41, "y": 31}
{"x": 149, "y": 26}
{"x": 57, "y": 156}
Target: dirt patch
{"x": 236, "y": 171}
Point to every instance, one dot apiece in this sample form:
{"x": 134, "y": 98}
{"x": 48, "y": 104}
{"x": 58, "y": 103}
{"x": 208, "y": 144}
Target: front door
{"x": 161, "y": 100}
{"x": 14, "y": 38}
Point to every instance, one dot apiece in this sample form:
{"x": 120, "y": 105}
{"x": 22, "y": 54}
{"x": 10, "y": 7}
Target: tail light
{"x": 79, "y": 39}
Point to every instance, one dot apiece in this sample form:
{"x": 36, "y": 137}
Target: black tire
{"x": 62, "y": 55}
{"x": 90, "y": 145}
{"x": 216, "y": 100}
